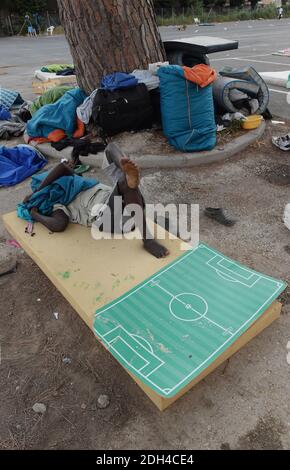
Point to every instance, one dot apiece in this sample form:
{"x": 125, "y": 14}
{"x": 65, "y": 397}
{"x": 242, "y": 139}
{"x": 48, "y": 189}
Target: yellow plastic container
{"x": 252, "y": 122}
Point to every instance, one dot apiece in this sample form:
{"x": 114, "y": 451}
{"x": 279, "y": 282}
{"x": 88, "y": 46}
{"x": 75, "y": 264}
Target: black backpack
{"x": 126, "y": 109}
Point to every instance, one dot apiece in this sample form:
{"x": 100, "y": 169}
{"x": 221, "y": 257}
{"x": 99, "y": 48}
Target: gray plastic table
{"x": 193, "y": 50}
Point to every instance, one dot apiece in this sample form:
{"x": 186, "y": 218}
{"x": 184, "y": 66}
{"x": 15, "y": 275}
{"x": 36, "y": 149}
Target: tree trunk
{"x": 108, "y": 36}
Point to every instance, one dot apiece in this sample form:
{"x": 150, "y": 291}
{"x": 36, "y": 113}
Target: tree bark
{"x": 108, "y": 36}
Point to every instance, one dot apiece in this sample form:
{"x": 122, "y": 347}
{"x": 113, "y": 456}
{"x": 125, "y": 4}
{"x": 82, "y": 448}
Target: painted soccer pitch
{"x": 172, "y": 326}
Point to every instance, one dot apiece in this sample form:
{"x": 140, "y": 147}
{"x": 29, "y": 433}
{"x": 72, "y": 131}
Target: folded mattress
{"x": 244, "y": 79}
{"x": 222, "y": 92}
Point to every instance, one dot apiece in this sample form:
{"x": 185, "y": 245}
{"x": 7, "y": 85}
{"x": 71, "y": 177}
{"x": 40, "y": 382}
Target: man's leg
{"x": 128, "y": 188}
{"x": 128, "y": 181}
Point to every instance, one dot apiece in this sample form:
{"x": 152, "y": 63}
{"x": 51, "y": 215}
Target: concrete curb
{"x": 175, "y": 160}
{"x": 183, "y": 160}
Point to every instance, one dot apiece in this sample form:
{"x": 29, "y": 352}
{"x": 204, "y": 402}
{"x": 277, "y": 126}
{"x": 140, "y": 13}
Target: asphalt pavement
{"x": 258, "y": 39}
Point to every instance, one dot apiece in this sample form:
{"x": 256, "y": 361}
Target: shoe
{"x": 282, "y": 142}
{"x": 218, "y": 215}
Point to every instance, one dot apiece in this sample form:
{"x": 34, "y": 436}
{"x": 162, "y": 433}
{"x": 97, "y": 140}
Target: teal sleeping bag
{"x": 187, "y": 111}
{"x": 59, "y": 115}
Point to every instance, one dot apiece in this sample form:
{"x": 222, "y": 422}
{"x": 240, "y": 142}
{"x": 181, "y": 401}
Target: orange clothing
{"x": 80, "y": 130}
{"x": 201, "y": 74}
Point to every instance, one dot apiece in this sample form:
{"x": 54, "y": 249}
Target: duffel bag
{"x": 122, "y": 110}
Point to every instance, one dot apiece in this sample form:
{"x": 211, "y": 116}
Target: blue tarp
{"x": 17, "y": 163}
{"x": 61, "y": 191}
{"x": 187, "y": 111}
{"x": 59, "y": 115}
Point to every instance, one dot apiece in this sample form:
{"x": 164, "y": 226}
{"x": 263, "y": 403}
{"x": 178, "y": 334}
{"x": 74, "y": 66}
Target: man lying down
{"x": 80, "y": 197}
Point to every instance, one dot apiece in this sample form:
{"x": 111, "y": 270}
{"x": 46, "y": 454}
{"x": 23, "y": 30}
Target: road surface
{"x": 258, "y": 40}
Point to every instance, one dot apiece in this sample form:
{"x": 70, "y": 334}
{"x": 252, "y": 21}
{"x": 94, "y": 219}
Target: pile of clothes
{"x": 123, "y": 102}
{"x": 11, "y": 125}
{"x": 53, "y": 71}
{"x": 184, "y": 101}
{"x": 179, "y": 99}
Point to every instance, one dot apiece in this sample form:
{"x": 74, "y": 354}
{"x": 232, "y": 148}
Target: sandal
{"x": 218, "y": 215}
{"x": 80, "y": 169}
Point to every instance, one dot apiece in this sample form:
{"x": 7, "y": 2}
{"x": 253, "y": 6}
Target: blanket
{"x": 49, "y": 97}
{"x": 59, "y": 115}
{"x": 61, "y": 191}
{"x": 17, "y": 163}
{"x": 54, "y": 68}
{"x": 13, "y": 127}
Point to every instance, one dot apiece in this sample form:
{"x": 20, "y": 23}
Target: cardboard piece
{"x": 39, "y": 87}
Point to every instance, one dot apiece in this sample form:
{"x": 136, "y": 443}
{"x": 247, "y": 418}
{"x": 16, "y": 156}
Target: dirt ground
{"x": 244, "y": 404}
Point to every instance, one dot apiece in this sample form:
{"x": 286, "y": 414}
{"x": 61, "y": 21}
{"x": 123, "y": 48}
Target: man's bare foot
{"x": 131, "y": 171}
{"x": 155, "y": 249}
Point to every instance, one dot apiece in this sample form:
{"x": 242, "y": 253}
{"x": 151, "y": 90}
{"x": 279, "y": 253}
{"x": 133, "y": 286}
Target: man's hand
{"x": 33, "y": 211}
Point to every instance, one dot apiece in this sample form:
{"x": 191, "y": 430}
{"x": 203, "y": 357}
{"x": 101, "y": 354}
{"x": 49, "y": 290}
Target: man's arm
{"x": 63, "y": 169}
{"x": 55, "y": 223}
